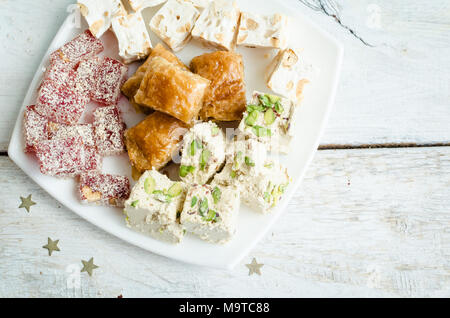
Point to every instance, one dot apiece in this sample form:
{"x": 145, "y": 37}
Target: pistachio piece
{"x": 269, "y": 117}
{"x": 149, "y": 185}
{"x": 204, "y": 158}
{"x": 175, "y": 190}
{"x": 185, "y": 170}
{"x": 194, "y": 201}
{"x": 251, "y": 118}
{"x": 217, "y": 194}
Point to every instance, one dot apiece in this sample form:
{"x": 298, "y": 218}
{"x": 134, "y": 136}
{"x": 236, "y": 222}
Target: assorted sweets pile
{"x": 53, "y": 128}
{"x": 183, "y": 107}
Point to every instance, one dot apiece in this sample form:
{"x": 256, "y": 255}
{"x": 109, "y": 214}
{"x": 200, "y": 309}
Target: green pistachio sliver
{"x": 204, "y": 158}
{"x": 193, "y": 148}
{"x": 278, "y": 108}
{"x": 211, "y": 216}
{"x": 175, "y": 190}
{"x": 266, "y": 196}
{"x": 249, "y": 162}
{"x": 265, "y": 101}
{"x": 134, "y": 203}
{"x": 162, "y": 196}
{"x": 185, "y": 170}
{"x": 233, "y": 174}
{"x": 149, "y": 185}
{"x": 215, "y": 131}
{"x": 203, "y": 209}
{"x": 251, "y": 108}
{"x": 217, "y": 194}
{"x": 269, "y": 117}
{"x": 273, "y": 99}
{"x": 252, "y": 118}
{"x": 262, "y": 131}
{"x": 269, "y": 165}
{"x": 194, "y": 201}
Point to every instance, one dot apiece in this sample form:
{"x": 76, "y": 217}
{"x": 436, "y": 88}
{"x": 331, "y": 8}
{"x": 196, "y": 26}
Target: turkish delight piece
{"x": 270, "y": 120}
{"x": 263, "y": 30}
{"x": 60, "y": 131}
{"x": 109, "y": 131}
{"x": 104, "y": 189}
{"x": 138, "y": 5}
{"x": 154, "y": 207}
{"x": 132, "y": 35}
{"x": 66, "y": 157}
{"x": 289, "y": 74}
{"x": 174, "y": 22}
{"x": 99, "y": 13}
{"x": 58, "y": 99}
{"x": 82, "y": 47}
{"x": 34, "y": 128}
{"x": 211, "y": 212}
{"x": 110, "y": 78}
{"x": 203, "y": 153}
{"x": 86, "y": 75}
{"x": 217, "y": 25}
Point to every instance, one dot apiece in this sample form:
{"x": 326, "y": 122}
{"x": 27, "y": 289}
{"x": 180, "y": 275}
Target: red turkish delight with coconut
{"x": 111, "y": 75}
{"x": 104, "y": 189}
{"x": 66, "y": 157}
{"x": 109, "y": 131}
{"x": 34, "y": 128}
{"x": 86, "y": 77}
{"x": 83, "y": 46}
{"x": 58, "y": 100}
{"x": 60, "y": 131}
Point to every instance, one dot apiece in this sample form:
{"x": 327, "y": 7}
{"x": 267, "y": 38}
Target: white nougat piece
{"x": 99, "y": 14}
{"x": 269, "y": 31}
{"x": 288, "y": 74}
{"x": 154, "y": 206}
{"x": 138, "y": 5}
{"x": 217, "y": 26}
{"x": 174, "y": 22}
{"x": 132, "y": 35}
{"x": 199, "y": 4}
{"x": 203, "y": 153}
{"x": 263, "y": 191}
{"x": 270, "y": 120}
{"x": 211, "y": 212}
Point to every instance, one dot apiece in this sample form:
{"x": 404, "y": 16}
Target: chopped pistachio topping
{"x": 149, "y": 185}
{"x": 204, "y": 158}
{"x": 251, "y": 108}
{"x": 211, "y": 216}
{"x": 203, "y": 209}
{"x": 162, "y": 196}
{"x": 215, "y": 131}
{"x": 265, "y": 101}
{"x": 194, "y": 146}
{"x": 185, "y": 170}
{"x": 251, "y": 118}
{"x": 269, "y": 117}
{"x": 134, "y": 203}
{"x": 278, "y": 108}
{"x": 273, "y": 99}
{"x": 194, "y": 201}
{"x": 249, "y": 162}
{"x": 175, "y": 190}
{"x": 216, "y": 193}
{"x": 262, "y": 131}
{"x": 233, "y": 174}
{"x": 266, "y": 196}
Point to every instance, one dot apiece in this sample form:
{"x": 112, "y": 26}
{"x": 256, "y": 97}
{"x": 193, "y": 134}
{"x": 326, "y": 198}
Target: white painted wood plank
{"x": 394, "y": 91}
{"x": 364, "y": 223}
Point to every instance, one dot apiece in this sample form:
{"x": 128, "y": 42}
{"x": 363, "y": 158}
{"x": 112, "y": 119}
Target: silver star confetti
{"x": 27, "y": 203}
{"x": 88, "y": 266}
{"x": 51, "y": 246}
{"x": 254, "y": 267}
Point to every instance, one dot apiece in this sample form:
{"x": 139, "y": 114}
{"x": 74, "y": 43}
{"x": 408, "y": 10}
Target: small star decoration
{"x": 89, "y": 266}
{"x": 27, "y": 203}
{"x": 254, "y": 267}
{"x": 51, "y": 246}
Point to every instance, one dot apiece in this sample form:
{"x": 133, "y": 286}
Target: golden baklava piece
{"x": 171, "y": 89}
{"x": 132, "y": 85}
{"x": 153, "y": 141}
{"x": 225, "y": 99}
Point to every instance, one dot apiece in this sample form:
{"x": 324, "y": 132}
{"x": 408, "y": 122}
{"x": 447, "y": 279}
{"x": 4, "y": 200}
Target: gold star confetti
{"x": 89, "y": 266}
{"x": 51, "y": 246}
{"x": 254, "y": 267}
{"x": 27, "y": 203}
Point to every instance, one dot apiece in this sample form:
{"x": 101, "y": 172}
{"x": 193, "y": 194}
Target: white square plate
{"x": 322, "y": 50}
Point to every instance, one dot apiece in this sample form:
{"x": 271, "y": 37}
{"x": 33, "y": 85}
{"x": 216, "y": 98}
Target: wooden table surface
{"x": 372, "y": 217}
